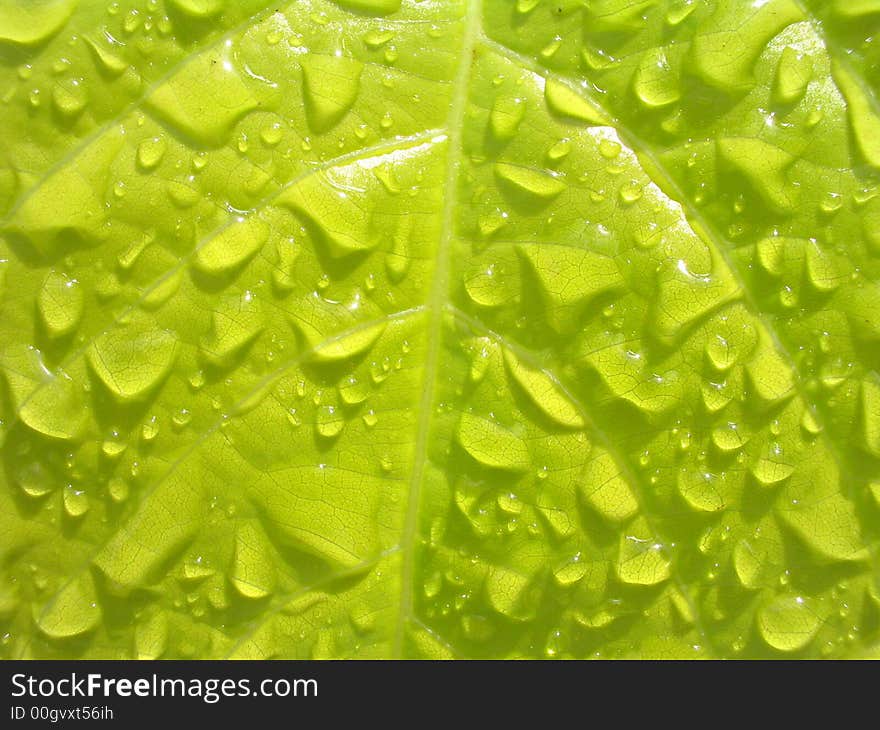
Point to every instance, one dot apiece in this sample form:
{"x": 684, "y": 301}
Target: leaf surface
{"x": 387, "y": 328}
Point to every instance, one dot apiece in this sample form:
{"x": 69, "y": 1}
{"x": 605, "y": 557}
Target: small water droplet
{"x": 631, "y": 192}
{"x": 272, "y": 133}
{"x": 118, "y": 489}
{"x": 181, "y": 419}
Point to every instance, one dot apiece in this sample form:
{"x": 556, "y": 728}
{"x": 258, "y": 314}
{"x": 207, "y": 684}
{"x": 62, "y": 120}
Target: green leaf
{"x": 386, "y": 328}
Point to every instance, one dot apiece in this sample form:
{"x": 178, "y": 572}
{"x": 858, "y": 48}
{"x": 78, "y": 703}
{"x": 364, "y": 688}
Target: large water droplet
{"x": 332, "y": 84}
{"x": 353, "y": 391}
{"x": 73, "y": 610}
{"x": 131, "y": 361}
{"x": 60, "y": 304}
{"x": 76, "y": 502}
{"x": 506, "y": 115}
{"x": 34, "y": 21}
{"x": 232, "y": 247}
{"x": 525, "y": 181}
{"x": 792, "y": 76}
{"x": 253, "y": 565}
{"x": 199, "y": 8}
{"x": 205, "y": 98}
{"x": 788, "y": 623}
{"x": 329, "y": 421}
{"x": 655, "y": 82}
{"x": 566, "y": 102}
{"x": 491, "y": 444}
{"x": 150, "y": 152}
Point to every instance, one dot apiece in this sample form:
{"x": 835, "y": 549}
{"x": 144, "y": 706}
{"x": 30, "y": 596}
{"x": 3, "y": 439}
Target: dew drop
{"x": 271, "y": 134}
{"x": 329, "y": 421}
{"x": 150, "y": 152}
{"x": 630, "y": 193}
{"x": 118, "y": 489}
{"x": 353, "y": 391}
{"x": 60, "y": 304}
{"x": 76, "y": 503}
{"x": 559, "y": 151}
{"x": 150, "y": 429}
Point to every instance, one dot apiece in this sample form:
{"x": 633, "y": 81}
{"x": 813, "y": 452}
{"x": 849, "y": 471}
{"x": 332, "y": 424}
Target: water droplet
{"x": 788, "y": 297}
{"x": 491, "y": 222}
{"x": 655, "y": 83}
{"x": 353, "y": 391}
{"x": 720, "y": 354}
{"x": 566, "y": 102}
{"x": 397, "y": 261}
{"x": 559, "y": 151}
{"x": 793, "y": 74}
{"x": 332, "y": 84}
{"x": 349, "y": 345}
{"x": 69, "y": 98}
{"x": 113, "y": 445}
{"x": 523, "y": 7}
{"x": 181, "y": 419}
{"x": 272, "y": 133}
{"x": 544, "y": 392}
{"x": 788, "y": 622}
{"x": 118, "y": 489}
{"x": 112, "y": 355}
{"x": 609, "y": 149}
{"x": 377, "y": 38}
{"x": 150, "y": 152}
{"x": 809, "y": 422}
{"x": 28, "y": 24}
{"x": 863, "y": 119}
{"x": 551, "y": 48}
{"x": 73, "y": 610}
{"x": 529, "y": 182}
{"x": 150, "y": 429}
{"x": 679, "y": 11}
{"x": 505, "y": 117}
{"x": 770, "y": 469}
{"x": 729, "y": 438}
{"x": 329, "y": 421}
{"x": 491, "y": 444}
{"x": 76, "y": 503}
{"x": 253, "y": 571}
{"x": 597, "y": 59}
{"x": 641, "y": 560}
{"x": 33, "y": 479}
{"x": 187, "y": 100}
{"x": 199, "y": 8}
{"x": 371, "y": 7}
{"x": 631, "y": 192}
{"x": 60, "y": 303}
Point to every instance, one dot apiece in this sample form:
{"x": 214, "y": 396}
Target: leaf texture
{"x": 454, "y": 329}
